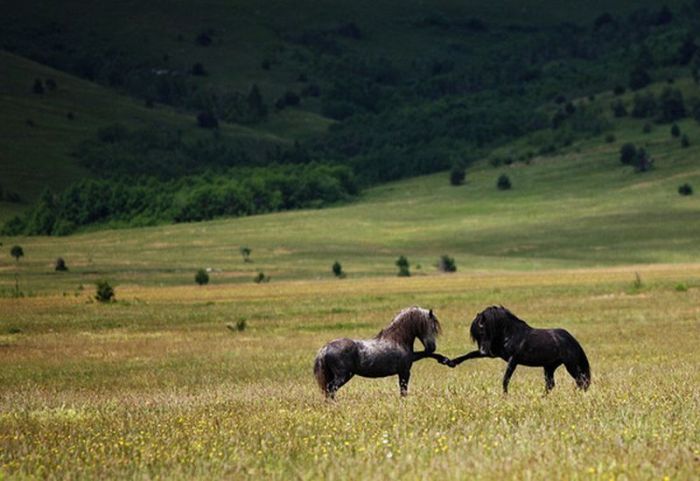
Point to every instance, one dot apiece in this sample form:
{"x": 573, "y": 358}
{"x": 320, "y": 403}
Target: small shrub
{"x": 685, "y": 141}
{"x": 338, "y": 270}
{"x": 628, "y": 152}
{"x": 207, "y": 120}
{"x": 457, "y": 175}
{"x": 245, "y": 253}
{"x": 203, "y": 39}
{"x": 201, "y": 277}
{"x": 17, "y": 252}
{"x": 38, "y": 87}
{"x": 646, "y": 128}
{"x": 685, "y": 189}
{"x": 198, "y": 70}
{"x": 675, "y": 130}
{"x": 403, "y": 265}
{"x": 610, "y": 138}
{"x": 681, "y": 287}
{"x": 51, "y": 84}
{"x": 619, "y": 90}
{"x": 447, "y": 264}
{"x": 503, "y": 182}
{"x": 104, "y": 291}
{"x": 60, "y": 265}
{"x": 239, "y": 325}
{"x": 291, "y": 98}
{"x": 261, "y": 278}
{"x": 265, "y": 64}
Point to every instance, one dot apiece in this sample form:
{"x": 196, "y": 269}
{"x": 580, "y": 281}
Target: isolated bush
{"x": 51, "y": 84}
{"x": 619, "y": 90}
{"x": 207, "y": 120}
{"x": 610, "y": 138}
{"x": 201, "y": 277}
{"x": 403, "y": 265}
{"x": 198, "y": 70}
{"x": 675, "y": 130}
{"x": 447, "y": 264}
{"x": 291, "y": 98}
{"x": 685, "y": 141}
{"x": 60, "y": 265}
{"x": 628, "y": 153}
{"x": 643, "y": 161}
{"x": 337, "y": 269}
{"x": 618, "y": 108}
{"x": 261, "y": 278}
{"x": 17, "y": 252}
{"x": 457, "y": 175}
{"x": 241, "y": 325}
{"x": 104, "y": 291}
{"x": 671, "y": 106}
{"x": 685, "y": 189}
{"x": 646, "y": 128}
{"x": 38, "y": 87}
{"x": 245, "y": 253}
{"x": 203, "y": 39}
{"x": 503, "y": 182}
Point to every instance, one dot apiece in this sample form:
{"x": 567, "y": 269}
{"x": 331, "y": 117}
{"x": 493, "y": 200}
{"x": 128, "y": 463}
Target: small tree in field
{"x": 457, "y": 175}
{"x": 338, "y": 270}
{"x": 628, "y": 153}
{"x": 104, "y": 291}
{"x": 685, "y": 189}
{"x": 60, "y": 265}
{"x": 245, "y": 253}
{"x": 201, "y": 277}
{"x": 503, "y": 182}
{"x": 17, "y": 252}
{"x": 447, "y": 264}
{"x": 403, "y": 265}
{"x": 675, "y": 130}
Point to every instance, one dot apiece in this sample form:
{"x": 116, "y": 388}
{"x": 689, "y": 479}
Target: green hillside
{"x": 580, "y": 208}
{"x": 40, "y": 132}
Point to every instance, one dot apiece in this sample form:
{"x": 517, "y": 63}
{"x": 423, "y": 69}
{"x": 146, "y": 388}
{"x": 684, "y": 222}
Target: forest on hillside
{"x": 481, "y": 85}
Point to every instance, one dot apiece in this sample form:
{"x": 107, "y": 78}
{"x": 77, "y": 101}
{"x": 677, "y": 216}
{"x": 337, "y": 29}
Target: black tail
{"x": 320, "y": 372}
{"x": 577, "y": 364}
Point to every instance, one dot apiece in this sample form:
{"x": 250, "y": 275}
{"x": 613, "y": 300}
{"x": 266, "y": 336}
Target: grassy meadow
{"x": 156, "y": 386}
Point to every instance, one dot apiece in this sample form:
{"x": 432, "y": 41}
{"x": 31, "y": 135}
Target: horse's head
{"x": 428, "y": 331}
{"x": 487, "y": 330}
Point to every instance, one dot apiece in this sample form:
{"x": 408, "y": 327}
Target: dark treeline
{"x": 149, "y": 201}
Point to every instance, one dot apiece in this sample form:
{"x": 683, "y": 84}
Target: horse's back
{"x": 339, "y": 351}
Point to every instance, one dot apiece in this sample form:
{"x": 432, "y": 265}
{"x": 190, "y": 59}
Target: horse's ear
{"x": 430, "y": 313}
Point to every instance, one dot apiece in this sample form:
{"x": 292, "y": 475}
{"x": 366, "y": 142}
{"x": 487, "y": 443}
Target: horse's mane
{"x": 409, "y": 323}
{"x": 496, "y": 318}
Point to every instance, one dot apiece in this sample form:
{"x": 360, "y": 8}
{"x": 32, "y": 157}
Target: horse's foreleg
{"x": 403, "y": 382}
{"x": 417, "y": 356}
{"x": 549, "y": 377}
{"x": 509, "y": 372}
{"x": 459, "y": 360}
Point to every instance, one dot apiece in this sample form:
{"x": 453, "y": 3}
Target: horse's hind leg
{"x": 404, "y": 377}
{"x": 549, "y": 377}
{"x": 338, "y": 380}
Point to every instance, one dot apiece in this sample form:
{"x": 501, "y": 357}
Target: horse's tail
{"x": 580, "y": 368}
{"x": 320, "y": 370}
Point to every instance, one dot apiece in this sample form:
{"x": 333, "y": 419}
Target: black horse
{"x": 390, "y": 352}
{"x": 499, "y": 333}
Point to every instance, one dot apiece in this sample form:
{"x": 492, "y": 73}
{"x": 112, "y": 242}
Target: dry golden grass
{"x": 156, "y": 387}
